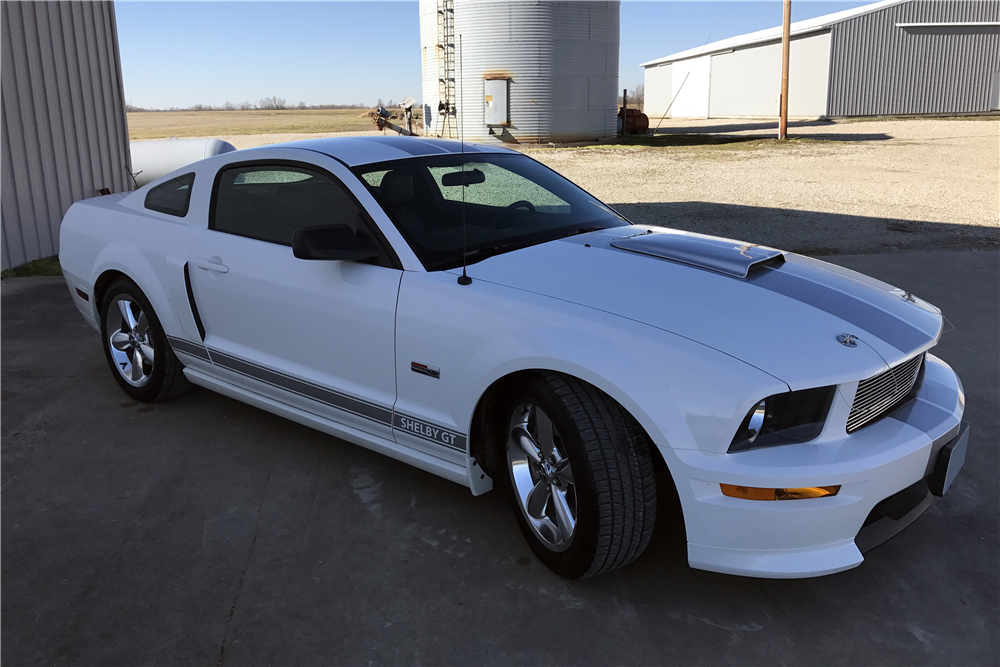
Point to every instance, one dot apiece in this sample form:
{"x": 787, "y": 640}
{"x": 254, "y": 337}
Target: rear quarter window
{"x": 172, "y": 197}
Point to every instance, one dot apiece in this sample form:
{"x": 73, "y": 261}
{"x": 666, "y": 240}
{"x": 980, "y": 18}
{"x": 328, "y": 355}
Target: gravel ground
{"x": 849, "y": 187}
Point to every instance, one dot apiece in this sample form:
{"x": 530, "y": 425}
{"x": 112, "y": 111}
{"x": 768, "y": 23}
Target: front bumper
{"x": 817, "y": 536}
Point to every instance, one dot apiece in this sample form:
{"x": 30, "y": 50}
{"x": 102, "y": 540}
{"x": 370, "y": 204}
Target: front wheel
{"x": 136, "y": 348}
{"x": 580, "y": 476}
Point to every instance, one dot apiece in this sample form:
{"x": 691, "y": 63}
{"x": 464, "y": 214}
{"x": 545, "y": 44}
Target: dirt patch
{"x": 863, "y": 186}
{"x": 858, "y": 187}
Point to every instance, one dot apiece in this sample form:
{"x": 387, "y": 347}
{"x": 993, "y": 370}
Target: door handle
{"x": 214, "y": 264}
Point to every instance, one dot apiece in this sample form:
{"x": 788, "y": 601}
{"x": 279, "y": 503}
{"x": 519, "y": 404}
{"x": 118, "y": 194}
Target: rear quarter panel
{"x": 150, "y": 248}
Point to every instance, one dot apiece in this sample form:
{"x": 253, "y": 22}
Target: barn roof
{"x": 771, "y": 34}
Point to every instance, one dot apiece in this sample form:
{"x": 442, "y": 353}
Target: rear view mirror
{"x": 332, "y": 242}
{"x": 467, "y": 177}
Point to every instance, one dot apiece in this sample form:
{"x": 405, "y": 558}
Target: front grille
{"x": 880, "y": 393}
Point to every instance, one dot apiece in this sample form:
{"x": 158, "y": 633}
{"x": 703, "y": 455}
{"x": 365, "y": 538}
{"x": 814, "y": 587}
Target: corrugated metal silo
{"x": 531, "y": 71}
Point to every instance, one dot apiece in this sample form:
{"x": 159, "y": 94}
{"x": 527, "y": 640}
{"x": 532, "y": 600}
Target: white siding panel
{"x": 747, "y": 82}
{"x": 691, "y": 82}
{"x": 659, "y": 91}
{"x": 64, "y": 134}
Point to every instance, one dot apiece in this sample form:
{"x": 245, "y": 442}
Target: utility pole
{"x": 785, "y": 44}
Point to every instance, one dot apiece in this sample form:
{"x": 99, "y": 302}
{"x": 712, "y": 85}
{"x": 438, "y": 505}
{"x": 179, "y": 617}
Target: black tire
{"x": 159, "y": 380}
{"x": 613, "y": 483}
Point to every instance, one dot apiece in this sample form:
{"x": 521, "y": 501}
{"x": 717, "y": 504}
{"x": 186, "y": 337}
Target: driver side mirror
{"x": 332, "y": 242}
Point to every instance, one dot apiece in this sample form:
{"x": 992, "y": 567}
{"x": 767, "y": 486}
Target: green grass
{"x": 47, "y": 266}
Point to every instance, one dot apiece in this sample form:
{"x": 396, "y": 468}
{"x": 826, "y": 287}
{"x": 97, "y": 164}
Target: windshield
{"x": 511, "y": 202}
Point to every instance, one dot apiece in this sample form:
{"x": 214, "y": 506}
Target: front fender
{"x": 684, "y": 394}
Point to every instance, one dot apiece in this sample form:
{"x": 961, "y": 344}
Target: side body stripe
{"x": 187, "y": 347}
{"x": 413, "y": 426}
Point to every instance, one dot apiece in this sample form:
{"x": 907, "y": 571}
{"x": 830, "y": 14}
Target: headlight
{"x": 784, "y": 419}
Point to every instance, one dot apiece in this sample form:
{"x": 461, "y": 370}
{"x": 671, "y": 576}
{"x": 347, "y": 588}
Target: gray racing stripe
{"x": 187, "y": 347}
{"x": 334, "y": 399}
{"x": 893, "y": 330}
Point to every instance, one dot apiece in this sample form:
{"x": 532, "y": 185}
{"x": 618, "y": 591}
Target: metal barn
{"x": 528, "y": 70}
{"x": 64, "y": 134}
{"x": 895, "y": 57}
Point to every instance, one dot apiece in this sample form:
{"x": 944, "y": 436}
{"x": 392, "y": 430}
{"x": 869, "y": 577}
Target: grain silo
{"x": 531, "y": 71}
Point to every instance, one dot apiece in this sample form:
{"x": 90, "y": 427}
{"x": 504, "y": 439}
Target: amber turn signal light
{"x": 755, "y": 493}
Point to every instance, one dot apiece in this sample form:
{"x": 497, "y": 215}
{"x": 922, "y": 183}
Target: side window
{"x": 270, "y": 202}
{"x": 172, "y": 197}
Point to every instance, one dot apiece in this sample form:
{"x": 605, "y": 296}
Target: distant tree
{"x": 131, "y": 107}
{"x": 201, "y": 107}
{"x": 302, "y": 105}
{"x": 247, "y": 106}
{"x": 637, "y": 96}
{"x": 228, "y": 106}
{"x": 380, "y": 103}
{"x": 272, "y": 103}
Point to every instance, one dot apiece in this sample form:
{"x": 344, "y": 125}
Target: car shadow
{"x": 810, "y": 232}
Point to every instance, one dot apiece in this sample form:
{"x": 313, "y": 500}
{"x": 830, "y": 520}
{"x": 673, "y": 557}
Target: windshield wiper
{"x": 481, "y": 253}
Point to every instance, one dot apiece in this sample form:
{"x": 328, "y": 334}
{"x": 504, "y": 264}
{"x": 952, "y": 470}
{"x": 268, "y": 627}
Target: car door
{"x": 316, "y": 334}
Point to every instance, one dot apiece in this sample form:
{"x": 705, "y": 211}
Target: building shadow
{"x": 725, "y": 128}
{"x": 811, "y": 232}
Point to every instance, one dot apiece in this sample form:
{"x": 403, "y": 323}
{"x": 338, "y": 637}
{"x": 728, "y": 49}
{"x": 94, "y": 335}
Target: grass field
{"x": 164, "y": 124}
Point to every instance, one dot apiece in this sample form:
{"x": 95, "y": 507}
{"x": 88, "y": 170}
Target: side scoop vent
{"x": 724, "y": 256}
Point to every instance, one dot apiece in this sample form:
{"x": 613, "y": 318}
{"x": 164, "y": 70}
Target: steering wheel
{"x": 516, "y": 205}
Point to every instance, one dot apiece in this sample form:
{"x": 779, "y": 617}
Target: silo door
{"x": 495, "y": 102}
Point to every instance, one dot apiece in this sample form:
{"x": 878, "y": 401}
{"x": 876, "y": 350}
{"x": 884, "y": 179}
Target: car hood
{"x": 783, "y": 316}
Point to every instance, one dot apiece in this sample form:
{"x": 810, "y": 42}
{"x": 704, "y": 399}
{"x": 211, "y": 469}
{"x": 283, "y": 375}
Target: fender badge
{"x": 847, "y": 340}
{"x": 424, "y": 369}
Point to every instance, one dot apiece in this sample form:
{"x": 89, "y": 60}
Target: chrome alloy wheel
{"x": 542, "y": 477}
{"x": 130, "y": 341}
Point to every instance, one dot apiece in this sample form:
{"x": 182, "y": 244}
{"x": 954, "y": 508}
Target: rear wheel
{"x": 579, "y": 474}
{"x": 136, "y": 348}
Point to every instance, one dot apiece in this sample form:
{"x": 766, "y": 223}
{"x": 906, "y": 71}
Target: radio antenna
{"x": 463, "y": 279}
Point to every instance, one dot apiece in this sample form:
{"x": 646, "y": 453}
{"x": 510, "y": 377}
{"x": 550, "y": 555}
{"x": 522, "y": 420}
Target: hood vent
{"x": 724, "y": 256}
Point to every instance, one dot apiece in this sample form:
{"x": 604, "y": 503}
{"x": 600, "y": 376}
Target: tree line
{"x": 272, "y": 103}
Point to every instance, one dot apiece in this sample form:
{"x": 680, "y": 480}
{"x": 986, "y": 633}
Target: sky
{"x": 178, "y": 54}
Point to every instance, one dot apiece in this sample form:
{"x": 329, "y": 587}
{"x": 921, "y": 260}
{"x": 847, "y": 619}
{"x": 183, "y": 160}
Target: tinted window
{"x": 270, "y": 202}
{"x": 172, "y": 197}
{"x": 506, "y": 202}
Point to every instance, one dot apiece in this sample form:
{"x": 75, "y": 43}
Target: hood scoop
{"x": 732, "y": 258}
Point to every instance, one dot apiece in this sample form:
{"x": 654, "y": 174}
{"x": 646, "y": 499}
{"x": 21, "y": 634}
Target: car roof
{"x": 354, "y": 151}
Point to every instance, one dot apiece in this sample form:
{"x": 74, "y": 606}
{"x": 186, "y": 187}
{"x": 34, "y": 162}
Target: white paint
{"x": 659, "y": 92}
{"x": 690, "y": 81}
{"x": 747, "y": 82}
{"x": 670, "y": 353}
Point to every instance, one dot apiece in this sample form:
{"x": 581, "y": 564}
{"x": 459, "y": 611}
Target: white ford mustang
{"x": 794, "y": 404}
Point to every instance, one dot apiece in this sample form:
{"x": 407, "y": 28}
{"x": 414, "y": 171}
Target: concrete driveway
{"x": 204, "y": 531}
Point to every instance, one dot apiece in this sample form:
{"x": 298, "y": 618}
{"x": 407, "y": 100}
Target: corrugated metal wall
{"x": 878, "y": 68}
{"x": 561, "y": 59}
{"x": 62, "y": 105}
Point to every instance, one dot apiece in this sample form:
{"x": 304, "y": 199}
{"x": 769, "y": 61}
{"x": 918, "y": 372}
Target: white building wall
{"x": 690, "y": 84}
{"x": 659, "y": 90}
{"x": 747, "y": 82}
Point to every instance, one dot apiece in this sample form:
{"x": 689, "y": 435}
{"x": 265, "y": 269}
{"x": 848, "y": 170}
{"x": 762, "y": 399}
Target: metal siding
{"x": 880, "y": 69}
{"x": 63, "y": 118}
{"x": 747, "y": 82}
{"x": 659, "y": 85}
{"x": 561, "y": 58}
